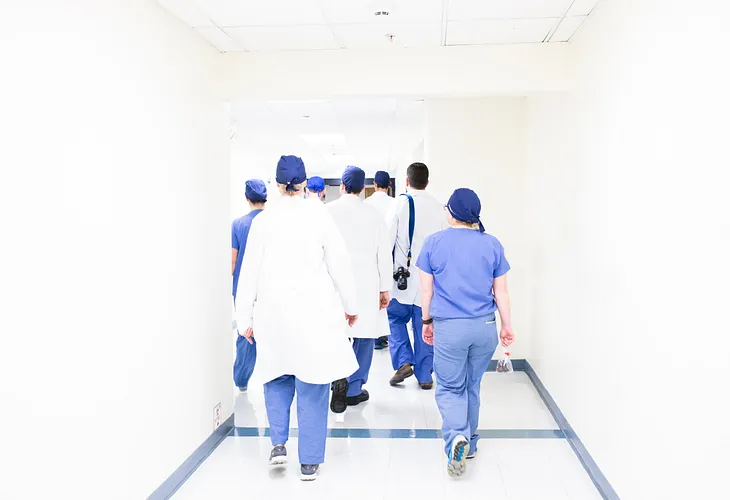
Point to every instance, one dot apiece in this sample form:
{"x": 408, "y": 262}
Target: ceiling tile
{"x": 465, "y": 10}
{"x": 264, "y": 12}
{"x": 284, "y": 38}
{"x": 187, "y": 11}
{"x": 568, "y": 27}
{"x": 582, "y": 7}
{"x": 374, "y": 35}
{"x": 218, "y": 39}
{"x": 498, "y": 31}
{"x": 363, "y": 11}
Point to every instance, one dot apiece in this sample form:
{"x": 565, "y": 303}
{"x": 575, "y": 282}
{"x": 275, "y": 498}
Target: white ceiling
{"x": 266, "y": 25}
{"x": 374, "y": 134}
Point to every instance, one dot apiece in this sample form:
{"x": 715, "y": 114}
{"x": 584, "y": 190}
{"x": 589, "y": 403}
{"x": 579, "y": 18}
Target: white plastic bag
{"x": 504, "y": 365}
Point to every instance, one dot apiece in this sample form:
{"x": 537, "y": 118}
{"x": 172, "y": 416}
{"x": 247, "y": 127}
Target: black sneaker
{"x": 339, "y": 396}
{"x": 403, "y": 373}
{"x": 278, "y": 455}
{"x": 309, "y": 472}
{"x": 381, "y": 343}
{"x": 360, "y": 398}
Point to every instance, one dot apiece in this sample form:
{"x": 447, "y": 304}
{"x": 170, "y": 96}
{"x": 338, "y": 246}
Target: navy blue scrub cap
{"x": 464, "y": 206}
{"x": 256, "y": 190}
{"x": 315, "y": 184}
{"x": 290, "y": 171}
{"x": 382, "y": 179}
{"x": 353, "y": 179}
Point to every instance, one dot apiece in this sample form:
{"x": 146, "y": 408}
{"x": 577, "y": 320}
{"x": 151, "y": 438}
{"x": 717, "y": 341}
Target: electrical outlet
{"x": 217, "y": 416}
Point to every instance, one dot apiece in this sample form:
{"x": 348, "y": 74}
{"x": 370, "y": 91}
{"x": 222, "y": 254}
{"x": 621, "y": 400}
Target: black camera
{"x": 401, "y": 277}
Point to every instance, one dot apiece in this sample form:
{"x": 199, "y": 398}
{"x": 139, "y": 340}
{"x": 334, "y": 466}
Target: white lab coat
{"x": 430, "y": 218}
{"x": 383, "y": 203}
{"x": 296, "y": 284}
{"x": 371, "y": 256}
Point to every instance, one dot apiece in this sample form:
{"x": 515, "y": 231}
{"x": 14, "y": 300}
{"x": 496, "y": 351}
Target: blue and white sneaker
{"x": 278, "y": 455}
{"x": 457, "y": 457}
{"x": 309, "y": 472}
{"x": 472, "y": 455}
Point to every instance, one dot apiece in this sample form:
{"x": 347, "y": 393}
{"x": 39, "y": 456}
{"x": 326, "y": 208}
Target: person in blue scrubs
{"x": 245, "y": 352}
{"x": 316, "y": 188}
{"x": 463, "y": 283}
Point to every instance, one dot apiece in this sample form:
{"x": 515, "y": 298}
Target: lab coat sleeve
{"x": 338, "y": 263}
{"x": 385, "y": 258}
{"x": 394, "y": 219}
{"x": 248, "y": 281}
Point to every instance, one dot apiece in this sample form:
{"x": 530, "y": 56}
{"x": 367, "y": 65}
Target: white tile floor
{"x": 379, "y": 469}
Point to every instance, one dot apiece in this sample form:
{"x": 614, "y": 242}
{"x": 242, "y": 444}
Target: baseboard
{"x": 599, "y": 480}
{"x": 182, "y": 473}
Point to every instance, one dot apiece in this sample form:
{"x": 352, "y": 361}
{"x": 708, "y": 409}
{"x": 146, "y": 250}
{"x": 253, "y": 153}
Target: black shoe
{"x": 360, "y": 398}
{"x": 403, "y": 373}
{"x": 426, "y": 386}
{"x": 381, "y": 343}
{"x": 339, "y": 396}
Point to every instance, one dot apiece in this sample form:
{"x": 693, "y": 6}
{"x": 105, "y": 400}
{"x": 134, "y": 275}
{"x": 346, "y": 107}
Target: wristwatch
{"x": 427, "y": 321}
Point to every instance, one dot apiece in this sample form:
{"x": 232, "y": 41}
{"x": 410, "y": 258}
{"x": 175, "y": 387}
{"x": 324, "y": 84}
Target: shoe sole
{"x": 309, "y": 477}
{"x": 397, "y": 381}
{"x": 339, "y": 396}
{"x": 457, "y": 467}
{"x": 356, "y": 402}
{"x": 278, "y": 461}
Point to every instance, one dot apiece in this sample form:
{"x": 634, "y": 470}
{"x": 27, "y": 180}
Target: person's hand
{"x": 351, "y": 319}
{"x": 384, "y": 300}
{"x": 248, "y": 335}
{"x": 427, "y": 334}
{"x": 506, "y": 335}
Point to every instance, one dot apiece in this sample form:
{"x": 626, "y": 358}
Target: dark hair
{"x": 417, "y": 175}
{"x": 349, "y": 190}
{"x": 386, "y": 186}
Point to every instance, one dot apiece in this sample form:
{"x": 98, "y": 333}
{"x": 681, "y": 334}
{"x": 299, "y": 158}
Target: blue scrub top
{"x": 464, "y": 264}
{"x": 239, "y": 235}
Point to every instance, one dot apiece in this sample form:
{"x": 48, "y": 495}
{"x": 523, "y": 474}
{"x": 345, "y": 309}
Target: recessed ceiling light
{"x": 305, "y": 116}
{"x": 382, "y": 13}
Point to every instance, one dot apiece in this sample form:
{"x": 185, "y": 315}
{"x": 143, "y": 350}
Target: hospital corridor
{"x": 364, "y": 249}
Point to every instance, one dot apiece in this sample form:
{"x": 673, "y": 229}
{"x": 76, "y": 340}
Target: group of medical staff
{"x": 318, "y": 287}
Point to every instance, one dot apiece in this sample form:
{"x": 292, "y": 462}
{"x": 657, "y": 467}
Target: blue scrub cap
{"x": 382, "y": 179}
{"x": 315, "y": 184}
{"x": 464, "y": 206}
{"x": 353, "y": 179}
{"x": 290, "y": 171}
{"x": 256, "y": 190}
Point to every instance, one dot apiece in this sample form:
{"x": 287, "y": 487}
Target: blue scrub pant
{"x": 462, "y": 351}
{"x": 364, "y": 353}
{"x": 312, "y": 412}
{"x": 245, "y": 361}
{"x": 401, "y": 352}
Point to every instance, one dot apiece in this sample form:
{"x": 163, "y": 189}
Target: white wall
{"x": 629, "y": 222}
{"x": 443, "y": 71}
{"x": 480, "y": 144}
{"x": 115, "y": 264}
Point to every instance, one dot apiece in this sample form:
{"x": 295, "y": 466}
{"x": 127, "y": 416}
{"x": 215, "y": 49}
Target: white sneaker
{"x": 457, "y": 457}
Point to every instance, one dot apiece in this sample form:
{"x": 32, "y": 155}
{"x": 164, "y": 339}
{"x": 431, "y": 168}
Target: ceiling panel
{"x": 499, "y": 31}
{"x": 263, "y": 12}
{"x": 568, "y": 27}
{"x": 374, "y": 36}
{"x": 284, "y": 38}
{"x": 465, "y": 10}
{"x": 218, "y": 39}
{"x": 582, "y": 7}
{"x": 363, "y": 11}
{"x": 187, "y": 11}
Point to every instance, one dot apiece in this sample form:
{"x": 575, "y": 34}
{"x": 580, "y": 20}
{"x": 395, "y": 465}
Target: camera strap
{"x": 411, "y": 225}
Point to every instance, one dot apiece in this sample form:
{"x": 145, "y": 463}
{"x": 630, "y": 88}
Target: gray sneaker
{"x": 278, "y": 455}
{"x": 309, "y": 472}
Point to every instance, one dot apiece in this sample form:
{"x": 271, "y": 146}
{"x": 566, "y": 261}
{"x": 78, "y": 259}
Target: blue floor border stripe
{"x": 409, "y": 433}
{"x": 178, "y": 478}
{"x": 599, "y": 480}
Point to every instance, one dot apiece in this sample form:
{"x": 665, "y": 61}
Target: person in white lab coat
{"x": 296, "y": 286}
{"x": 367, "y": 240}
{"x": 384, "y": 204}
{"x": 429, "y": 217}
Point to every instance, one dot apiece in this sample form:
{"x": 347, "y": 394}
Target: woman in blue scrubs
{"x": 463, "y": 283}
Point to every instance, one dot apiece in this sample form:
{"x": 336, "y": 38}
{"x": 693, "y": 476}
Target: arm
{"x": 337, "y": 259}
{"x": 385, "y": 264}
{"x": 426, "y": 293}
{"x": 234, "y": 258}
{"x": 501, "y": 296}
{"x": 248, "y": 281}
